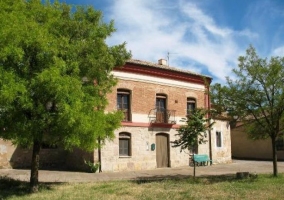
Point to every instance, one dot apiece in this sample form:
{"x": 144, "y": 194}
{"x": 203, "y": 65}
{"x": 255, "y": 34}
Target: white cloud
{"x": 194, "y": 40}
{"x": 202, "y": 20}
{"x": 278, "y": 51}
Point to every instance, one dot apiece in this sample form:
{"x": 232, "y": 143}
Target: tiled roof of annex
{"x": 166, "y": 67}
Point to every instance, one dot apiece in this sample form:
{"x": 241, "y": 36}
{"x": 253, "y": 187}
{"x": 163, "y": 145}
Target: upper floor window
{"x": 190, "y": 105}
{"x": 123, "y": 103}
{"x": 218, "y": 139}
{"x": 161, "y": 108}
{"x": 124, "y": 144}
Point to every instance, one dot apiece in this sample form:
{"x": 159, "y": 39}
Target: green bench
{"x": 201, "y": 159}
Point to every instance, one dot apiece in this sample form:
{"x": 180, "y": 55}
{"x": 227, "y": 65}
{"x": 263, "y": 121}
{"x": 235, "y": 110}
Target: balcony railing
{"x": 126, "y": 116}
{"x": 162, "y": 116}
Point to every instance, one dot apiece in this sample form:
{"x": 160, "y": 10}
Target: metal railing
{"x": 163, "y": 116}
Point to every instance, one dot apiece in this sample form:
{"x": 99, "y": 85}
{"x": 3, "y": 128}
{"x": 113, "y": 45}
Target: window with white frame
{"x": 218, "y": 139}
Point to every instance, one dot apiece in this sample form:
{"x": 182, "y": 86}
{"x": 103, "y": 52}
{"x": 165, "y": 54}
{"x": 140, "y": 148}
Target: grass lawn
{"x": 211, "y": 187}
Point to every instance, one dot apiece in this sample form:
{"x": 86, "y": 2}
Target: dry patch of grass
{"x": 211, "y": 187}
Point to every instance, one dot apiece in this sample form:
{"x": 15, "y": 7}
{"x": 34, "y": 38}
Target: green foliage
{"x": 195, "y": 130}
{"x": 54, "y": 76}
{"x": 219, "y": 102}
{"x": 49, "y": 56}
{"x": 256, "y": 96}
{"x": 93, "y": 167}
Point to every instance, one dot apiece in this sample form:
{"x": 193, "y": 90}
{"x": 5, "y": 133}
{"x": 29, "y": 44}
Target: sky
{"x": 203, "y": 36}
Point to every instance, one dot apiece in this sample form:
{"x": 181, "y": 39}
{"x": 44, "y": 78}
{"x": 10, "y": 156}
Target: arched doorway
{"x": 162, "y": 150}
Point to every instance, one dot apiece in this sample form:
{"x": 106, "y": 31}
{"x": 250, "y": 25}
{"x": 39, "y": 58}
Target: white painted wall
{"x": 156, "y": 80}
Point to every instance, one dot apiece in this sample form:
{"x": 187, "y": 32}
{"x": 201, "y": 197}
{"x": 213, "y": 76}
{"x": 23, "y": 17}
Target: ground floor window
{"x": 218, "y": 139}
{"x": 124, "y": 144}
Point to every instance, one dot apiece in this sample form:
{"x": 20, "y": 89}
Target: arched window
{"x": 124, "y": 144}
{"x": 123, "y": 103}
{"x": 190, "y": 105}
{"x": 161, "y": 107}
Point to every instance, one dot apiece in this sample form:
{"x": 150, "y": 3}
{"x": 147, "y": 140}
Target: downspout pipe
{"x": 209, "y": 132}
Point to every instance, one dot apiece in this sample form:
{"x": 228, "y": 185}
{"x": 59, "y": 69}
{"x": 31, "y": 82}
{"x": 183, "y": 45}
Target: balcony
{"x": 162, "y": 116}
{"x": 126, "y": 115}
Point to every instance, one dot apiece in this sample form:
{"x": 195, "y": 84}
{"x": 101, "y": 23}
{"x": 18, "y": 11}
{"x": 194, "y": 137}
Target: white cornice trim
{"x": 156, "y": 80}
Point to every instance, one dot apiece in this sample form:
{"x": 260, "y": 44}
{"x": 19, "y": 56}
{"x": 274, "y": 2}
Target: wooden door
{"x": 162, "y": 150}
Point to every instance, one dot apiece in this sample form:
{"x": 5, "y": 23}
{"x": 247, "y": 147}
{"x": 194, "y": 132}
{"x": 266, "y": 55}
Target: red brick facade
{"x": 144, "y": 97}
{"x": 144, "y": 81}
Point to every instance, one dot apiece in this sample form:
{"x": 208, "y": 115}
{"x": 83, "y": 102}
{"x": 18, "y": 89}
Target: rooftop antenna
{"x": 168, "y": 56}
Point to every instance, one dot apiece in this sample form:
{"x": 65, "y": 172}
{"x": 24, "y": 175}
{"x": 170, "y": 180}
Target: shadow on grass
{"x": 10, "y": 187}
{"x": 206, "y": 179}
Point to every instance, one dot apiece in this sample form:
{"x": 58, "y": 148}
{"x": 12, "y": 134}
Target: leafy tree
{"x": 194, "y": 131}
{"x": 49, "y": 56}
{"x": 256, "y": 97}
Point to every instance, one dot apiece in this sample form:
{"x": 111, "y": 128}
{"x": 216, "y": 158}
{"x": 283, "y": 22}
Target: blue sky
{"x": 204, "y": 36}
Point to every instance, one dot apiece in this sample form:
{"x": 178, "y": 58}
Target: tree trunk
{"x": 35, "y": 167}
{"x": 100, "y": 155}
{"x": 274, "y": 156}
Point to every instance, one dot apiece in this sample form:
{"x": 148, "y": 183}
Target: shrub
{"x": 93, "y": 167}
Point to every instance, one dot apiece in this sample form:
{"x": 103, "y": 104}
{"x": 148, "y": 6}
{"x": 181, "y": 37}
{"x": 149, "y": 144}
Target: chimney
{"x": 162, "y": 62}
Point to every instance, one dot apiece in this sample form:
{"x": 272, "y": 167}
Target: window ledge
{"x": 124, "y": 156}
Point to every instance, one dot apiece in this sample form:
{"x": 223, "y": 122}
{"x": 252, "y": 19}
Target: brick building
{"x": 154, "y": 98}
